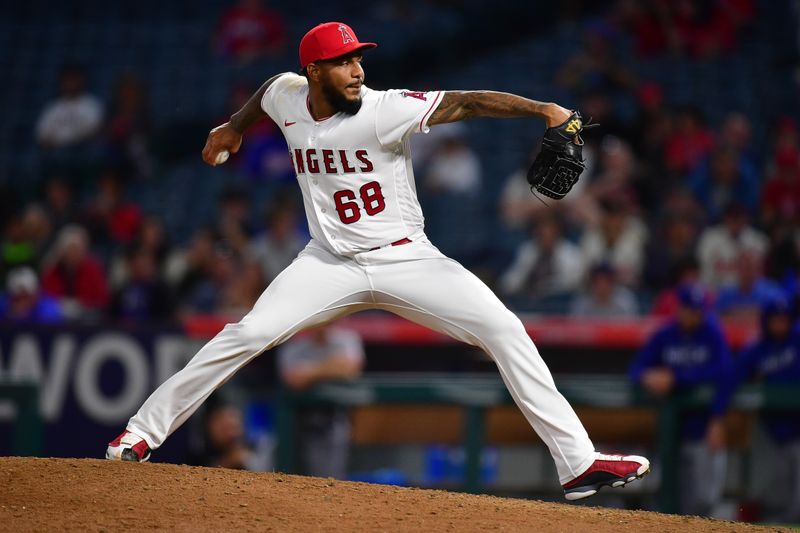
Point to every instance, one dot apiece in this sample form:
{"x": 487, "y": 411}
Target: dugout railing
{"x": 477, "y": 394}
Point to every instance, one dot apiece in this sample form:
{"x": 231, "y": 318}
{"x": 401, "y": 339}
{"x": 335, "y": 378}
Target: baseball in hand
{"x": 222, "y": 157}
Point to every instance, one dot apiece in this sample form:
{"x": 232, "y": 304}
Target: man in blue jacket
{"x": 24, "y": 304}
{"x": 688, "y": 351}
{"x": 775, "y": 359}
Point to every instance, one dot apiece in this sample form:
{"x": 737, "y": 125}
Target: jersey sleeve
{"x": 400, "y": 113}
{"x": 275, "y": 94}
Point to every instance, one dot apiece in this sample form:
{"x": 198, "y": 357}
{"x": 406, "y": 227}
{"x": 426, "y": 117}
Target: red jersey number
{"x": 347, "y": 207}
{"x": 373, "y": 199}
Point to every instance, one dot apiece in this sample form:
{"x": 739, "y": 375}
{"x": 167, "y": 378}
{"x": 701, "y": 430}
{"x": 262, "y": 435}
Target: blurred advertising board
{"x": 91, "y": 379}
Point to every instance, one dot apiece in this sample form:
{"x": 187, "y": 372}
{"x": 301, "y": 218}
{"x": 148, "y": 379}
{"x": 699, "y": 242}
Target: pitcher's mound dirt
{"x": 92, "y": 495}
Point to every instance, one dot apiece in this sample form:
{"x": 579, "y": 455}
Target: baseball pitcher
{"x": 368, "y": 250}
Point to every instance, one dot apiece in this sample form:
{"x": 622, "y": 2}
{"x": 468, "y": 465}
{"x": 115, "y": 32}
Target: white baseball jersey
{"x": 359, "y": 195}
{"x": 354, "y": 170}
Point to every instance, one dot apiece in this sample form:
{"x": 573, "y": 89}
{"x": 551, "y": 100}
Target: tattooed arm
{"x": 461, "y": 105}
{"x": 228, "y": 136}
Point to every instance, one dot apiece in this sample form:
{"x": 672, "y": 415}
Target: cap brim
{"x": 347, "y": 49}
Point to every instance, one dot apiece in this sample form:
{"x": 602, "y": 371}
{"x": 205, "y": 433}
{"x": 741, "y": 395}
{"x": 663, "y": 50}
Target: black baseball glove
{"x": 559, "y": 163}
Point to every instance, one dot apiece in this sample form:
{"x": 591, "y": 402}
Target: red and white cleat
{"x": 607, "y": 470}
{"x": 128, "y": 447}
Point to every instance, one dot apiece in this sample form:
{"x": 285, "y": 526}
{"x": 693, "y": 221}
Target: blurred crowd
{"x": 668, "y": 197}
{"x": 86, "y": 245}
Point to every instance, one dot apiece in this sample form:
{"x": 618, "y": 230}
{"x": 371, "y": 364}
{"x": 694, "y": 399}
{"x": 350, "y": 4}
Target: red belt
{"x": 404, "y": 240}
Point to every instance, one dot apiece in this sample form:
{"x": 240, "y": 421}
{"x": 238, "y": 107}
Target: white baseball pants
{"x": 415, "y": 281}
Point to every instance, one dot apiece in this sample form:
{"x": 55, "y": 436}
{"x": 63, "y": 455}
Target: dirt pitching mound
{"x": 92, "y": 495}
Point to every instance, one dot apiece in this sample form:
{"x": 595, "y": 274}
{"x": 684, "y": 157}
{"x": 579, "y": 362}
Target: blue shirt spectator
{"x": 144, "y": 295}
{"x": 775, "y": 359}
{"x": 751, "y": 290}
{"x": 23, "y": 303}
{"x": 735, "y": 298}
{"x": 723, "y": 178}
{"x": 689, "y": 350}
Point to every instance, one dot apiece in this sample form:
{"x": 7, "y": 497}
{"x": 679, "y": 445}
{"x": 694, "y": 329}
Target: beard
{"x": 340, "y": 102}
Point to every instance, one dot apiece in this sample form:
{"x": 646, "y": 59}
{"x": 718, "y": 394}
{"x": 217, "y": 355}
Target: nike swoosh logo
{"x": 286, "y": 123}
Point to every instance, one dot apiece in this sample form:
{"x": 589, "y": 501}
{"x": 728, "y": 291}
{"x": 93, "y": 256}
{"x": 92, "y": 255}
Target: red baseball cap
{"x": 329, "y": 40}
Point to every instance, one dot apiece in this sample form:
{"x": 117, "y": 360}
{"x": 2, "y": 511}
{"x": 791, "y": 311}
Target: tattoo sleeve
{"x": 461, "y": 105}
{"x": 251, "y": 112}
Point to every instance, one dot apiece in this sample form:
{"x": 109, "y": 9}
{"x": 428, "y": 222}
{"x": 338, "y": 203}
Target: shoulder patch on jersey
{"x": 419, "y": 95}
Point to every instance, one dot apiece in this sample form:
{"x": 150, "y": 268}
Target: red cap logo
{"x": 329, "y": 40}
{"x": 346, "y": 36}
